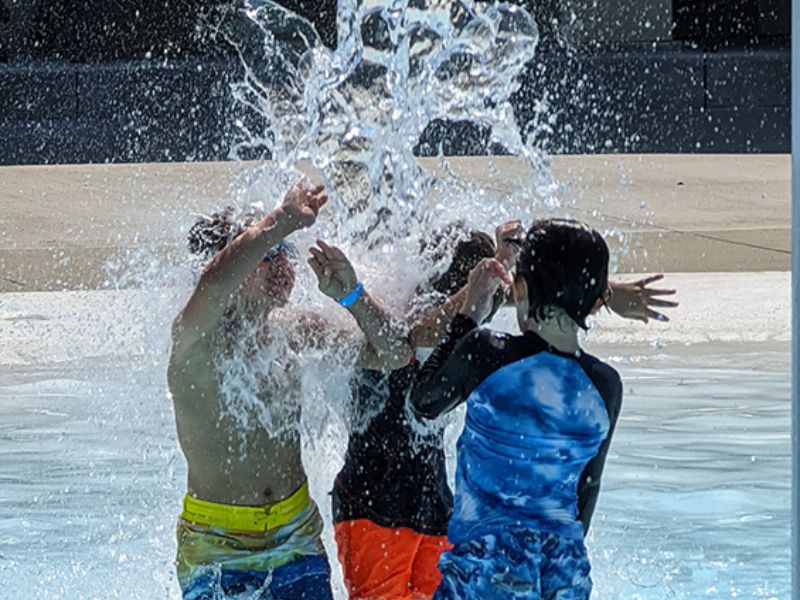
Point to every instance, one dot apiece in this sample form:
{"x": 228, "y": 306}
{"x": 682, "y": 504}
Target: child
{"x": 391, "y": 501}
{"x": 540, "y": 416}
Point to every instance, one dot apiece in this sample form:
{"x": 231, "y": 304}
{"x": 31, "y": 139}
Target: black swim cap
{"x": 565, "y": 265}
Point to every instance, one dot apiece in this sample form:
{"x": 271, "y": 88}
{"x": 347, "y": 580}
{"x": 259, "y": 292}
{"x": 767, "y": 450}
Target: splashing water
{"x": 356, "y": 113}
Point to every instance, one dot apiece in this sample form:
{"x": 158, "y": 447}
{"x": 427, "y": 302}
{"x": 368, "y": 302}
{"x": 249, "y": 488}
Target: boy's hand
{"x": 509, "y": 237}
{"x": 484, "y": 280}
{"x": 302, "y": 203}
{"x": 636, "y": 301}
{"x": 335, "y": 274}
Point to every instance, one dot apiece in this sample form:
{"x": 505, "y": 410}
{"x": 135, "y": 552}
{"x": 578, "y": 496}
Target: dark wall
{"x": 92, "y": 31}
{"x": 87, "y": 81}
{"x": 732, "y": 23}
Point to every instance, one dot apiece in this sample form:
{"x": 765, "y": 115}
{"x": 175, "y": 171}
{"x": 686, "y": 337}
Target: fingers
{"x": 499, "y": 271}
{"x": 492, "y": 268}
{"x": 656, "y": 315}
{"x": 327, "y": 249}
{"x": 509, "y": 232}
{"x": 652, "y": 292}
{"x": 650, "y": 279}
{"x": 332, "y": 262}
{"x": 316, "y": 202}
{"x": 315, "y": 199}
{"x": 315, "y": 266}
{"x": 664, "y": 303}
{"x": 302, "y": 182}
{"x": 510, "y": 226}
{"x": 332, "y": 253}
{"x": 318, "y": 255}
{"x": 318, "y": 269}
{"x": 322, "y": 272}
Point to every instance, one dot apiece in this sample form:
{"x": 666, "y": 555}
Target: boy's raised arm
{"x": 228, "y": 269}
{"x": 387, "y": 345}
{"x": 457, "y": 364}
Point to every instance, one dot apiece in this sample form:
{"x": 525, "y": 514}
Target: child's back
{"x": 540, "y": 413}
{"x": 535, "y": 419}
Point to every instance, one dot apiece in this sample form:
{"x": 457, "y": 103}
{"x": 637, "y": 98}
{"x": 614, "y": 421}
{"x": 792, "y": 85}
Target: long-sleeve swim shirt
{"x": 536, "y": 433}
{"x": 394, "y": 472}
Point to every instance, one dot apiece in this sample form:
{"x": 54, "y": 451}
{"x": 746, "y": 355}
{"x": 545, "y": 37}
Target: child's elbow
{"x": 400, "y": 357}
{"x": 423, "y": 409}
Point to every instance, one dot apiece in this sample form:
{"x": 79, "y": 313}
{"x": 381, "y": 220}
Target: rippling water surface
{"x": 696, "y": 497}
{"x": 695, "y": 502}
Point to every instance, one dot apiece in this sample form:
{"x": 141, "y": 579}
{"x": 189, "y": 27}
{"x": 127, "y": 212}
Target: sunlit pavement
{"x": 679, "y": 213}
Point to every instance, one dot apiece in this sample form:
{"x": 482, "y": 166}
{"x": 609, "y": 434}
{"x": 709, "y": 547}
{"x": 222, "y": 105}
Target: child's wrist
{"x": 353, "y": 297}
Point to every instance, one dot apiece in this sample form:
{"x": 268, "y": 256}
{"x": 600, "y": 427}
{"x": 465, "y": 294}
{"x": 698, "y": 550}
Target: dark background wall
{"x": 126, "y": 80}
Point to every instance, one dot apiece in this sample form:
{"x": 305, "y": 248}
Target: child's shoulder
{"x": 602, "y": 373}
{"x": 492, "y": 339}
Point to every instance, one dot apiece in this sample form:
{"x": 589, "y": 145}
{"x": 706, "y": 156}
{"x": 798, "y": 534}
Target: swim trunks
{"x": 515, "y": 565}
{"x": 382, "y": 563}
{"x": 274, "y": 550}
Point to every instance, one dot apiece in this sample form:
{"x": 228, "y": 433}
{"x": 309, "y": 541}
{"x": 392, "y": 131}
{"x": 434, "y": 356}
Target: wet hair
{"x": 211, "y": 234}
{"x": 565, "y": 265}
{"x": 466, "y": 255}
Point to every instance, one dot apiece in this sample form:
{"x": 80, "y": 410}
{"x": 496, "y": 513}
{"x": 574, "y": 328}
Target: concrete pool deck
{"x": 691, "y": 213}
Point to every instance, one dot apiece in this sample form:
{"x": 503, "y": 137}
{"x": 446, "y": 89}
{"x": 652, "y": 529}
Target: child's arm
{"x": 461, "y": 362}
{"x": 432, "y": 328}
{"x": 450, "y": 374}
{"x": 229, "y": 268}
{"x": 386, "y": 346}
{"x": 589, "y": 484}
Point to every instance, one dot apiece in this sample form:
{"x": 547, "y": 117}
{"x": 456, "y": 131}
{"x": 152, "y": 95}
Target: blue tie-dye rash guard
{"x": 537, "y": 430}
{"x": 531, "y": 428}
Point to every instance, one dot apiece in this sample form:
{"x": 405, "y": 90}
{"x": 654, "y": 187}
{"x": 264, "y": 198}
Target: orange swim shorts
{"x": 383, "y": 563}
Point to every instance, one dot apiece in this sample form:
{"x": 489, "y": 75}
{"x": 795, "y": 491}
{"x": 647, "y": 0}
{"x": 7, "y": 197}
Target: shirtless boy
{"x": 248, "y": 524}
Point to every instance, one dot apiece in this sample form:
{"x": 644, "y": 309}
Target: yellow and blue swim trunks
{"x": 272, "y": 551}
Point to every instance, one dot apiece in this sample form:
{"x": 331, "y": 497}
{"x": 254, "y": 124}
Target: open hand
{"x": 637, "y": 301}
{"x": 509, "y": 237}
{"x": 302, "y": 203}
{"x": 335, "y": 274}
{"x": 484, "y": 280}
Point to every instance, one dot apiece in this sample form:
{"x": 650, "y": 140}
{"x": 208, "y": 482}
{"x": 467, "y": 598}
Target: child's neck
{"x": 563, "y": 336}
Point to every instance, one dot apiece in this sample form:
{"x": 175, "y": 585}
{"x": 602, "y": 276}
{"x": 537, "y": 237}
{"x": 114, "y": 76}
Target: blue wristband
{"x": 353, "y": 296}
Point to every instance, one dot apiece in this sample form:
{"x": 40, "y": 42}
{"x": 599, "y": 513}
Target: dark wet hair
{"x": 466, "y": 255}
{"x": 565, "y": 265}
{"x": 211, "y": 234}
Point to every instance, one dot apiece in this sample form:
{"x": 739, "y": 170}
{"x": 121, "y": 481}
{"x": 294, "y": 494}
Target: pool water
{"x": 695, "y": 500}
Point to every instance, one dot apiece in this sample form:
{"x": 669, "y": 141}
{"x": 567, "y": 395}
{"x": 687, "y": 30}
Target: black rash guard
{"x": 538, "y": 427}
{"x": 394, "y": 472}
